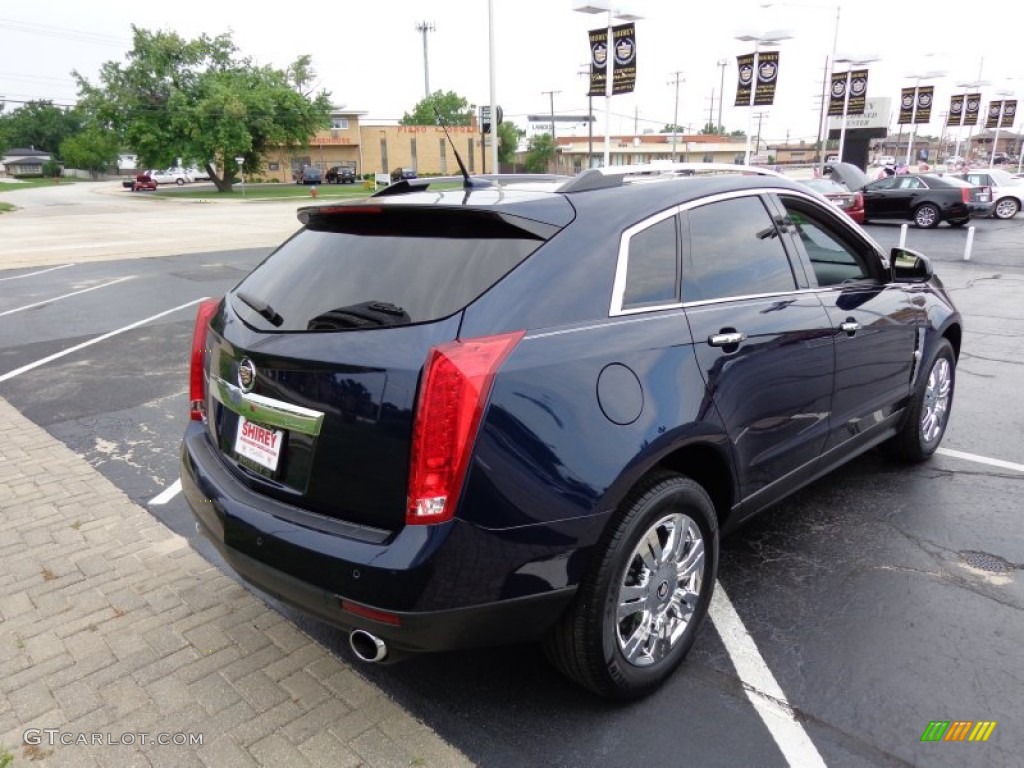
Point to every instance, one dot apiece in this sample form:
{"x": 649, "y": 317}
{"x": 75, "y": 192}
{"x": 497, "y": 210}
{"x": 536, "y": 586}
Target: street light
{"x": 721, "y": 93}
{"x": 995, "y": 140}
{"x": 823, "y": 114}
{"x": 601, "y": 6}
{"x": 773, "y": 37}
{"x": 850, "y": 61}
{"x": 930, "y": 75}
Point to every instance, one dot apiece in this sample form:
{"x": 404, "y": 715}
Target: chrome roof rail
{"x": 619, "y": 175}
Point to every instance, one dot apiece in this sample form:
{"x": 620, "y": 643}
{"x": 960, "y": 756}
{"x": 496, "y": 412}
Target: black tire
{"x": 585, "y": 644}
{"x": 927, "y": 216}
{"x": 180, "y": 182}
{"x": 917, "y": 440}
{"x": 958, "y": 222}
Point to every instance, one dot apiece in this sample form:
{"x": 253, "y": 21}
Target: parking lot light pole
{"x": 968, "y": 87}
{"x": 995, "y": 140}
{"x": 600, "y": 6}
{"x": 917, "y": 84}
{"x": 850, "y": 61}
{"x": 768, "y": 38}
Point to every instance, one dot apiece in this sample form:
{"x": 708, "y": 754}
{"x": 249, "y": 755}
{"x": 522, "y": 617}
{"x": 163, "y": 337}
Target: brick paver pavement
{"x": 112, "y": 628}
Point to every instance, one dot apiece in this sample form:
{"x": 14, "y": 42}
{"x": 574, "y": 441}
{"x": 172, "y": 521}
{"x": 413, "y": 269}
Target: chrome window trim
{"x": 621, "y": 266}
{"x": 266, "y": 410}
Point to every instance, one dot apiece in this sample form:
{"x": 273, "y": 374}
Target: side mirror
{"x": 910, "y": 266}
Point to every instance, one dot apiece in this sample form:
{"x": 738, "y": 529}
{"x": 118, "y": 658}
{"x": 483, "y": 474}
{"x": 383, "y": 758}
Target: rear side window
{"x": 735, "y": 250}
{"x": 652, "y": 276}
{"x": 383, "y": 267}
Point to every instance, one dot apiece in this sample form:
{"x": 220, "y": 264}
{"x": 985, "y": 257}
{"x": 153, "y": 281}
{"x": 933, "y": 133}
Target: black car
{"x": 403, "y": 173}
{"x": 309, "y": 175}
{"x": 340, "y": 174}
{"x": 446, "y": 418}
{"x": 922, "y": 198}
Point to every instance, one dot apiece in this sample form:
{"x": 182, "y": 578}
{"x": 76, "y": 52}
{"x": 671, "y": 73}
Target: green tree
{"x": 38, "y": 124}
{"x": 540, "y": 153}
{"x": 673, "y": 128}
{"x": 95, "y": 149}
{"x": 454, "y": 110}
{"x": 201, "y": 101}
{"x": 509, "y": 135}
{"x": 710, "y": 129}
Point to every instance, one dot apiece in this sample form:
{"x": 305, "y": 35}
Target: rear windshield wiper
{"x": 265, "y": 310}
{"x": 369, "y": 314}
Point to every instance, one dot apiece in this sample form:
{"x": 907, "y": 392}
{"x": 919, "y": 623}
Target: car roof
{"x": 626, "y": 193}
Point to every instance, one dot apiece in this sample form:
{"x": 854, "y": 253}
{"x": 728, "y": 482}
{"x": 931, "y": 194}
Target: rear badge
{"x": 246, "y": 375}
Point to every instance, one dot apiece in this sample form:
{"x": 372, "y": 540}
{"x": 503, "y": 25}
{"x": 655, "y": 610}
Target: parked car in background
{"x": 403, "y": 173}
{"x": 447, "y": 418}
{"x": 142, "y": 182}
{"x": 1007, "y": 190}
{"x": 309, "y": 175}
{"x": 851, "y": 203}
{"x": 340, "y": 174}
{"x": 924, "y": 199}
{"x": 171, "y": 176}
{"x": 197, "y": 174}
{"x": 885, "y": 161}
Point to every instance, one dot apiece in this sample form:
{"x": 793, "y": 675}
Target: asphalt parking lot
{"x": 877, "y": 600}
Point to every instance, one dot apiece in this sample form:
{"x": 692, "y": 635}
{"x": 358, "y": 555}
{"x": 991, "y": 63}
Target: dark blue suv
{"x": 528, "y": 411}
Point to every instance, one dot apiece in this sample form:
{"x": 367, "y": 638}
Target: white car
{"x": 884, "y": 160}
{"x": 1007, "y": 190}
{"x": 177, "y": 176}
{"x": 197, "y": 174}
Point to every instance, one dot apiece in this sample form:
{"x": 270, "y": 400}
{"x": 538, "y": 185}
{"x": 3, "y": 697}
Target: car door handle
{"x": 850, "y": 327}
{"x": 726, "y": 339}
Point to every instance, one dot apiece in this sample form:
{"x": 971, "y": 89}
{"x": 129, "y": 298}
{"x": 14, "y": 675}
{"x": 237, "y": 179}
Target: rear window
{"x": 359, "y": 270}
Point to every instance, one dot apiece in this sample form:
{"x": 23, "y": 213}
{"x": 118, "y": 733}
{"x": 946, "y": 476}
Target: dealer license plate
{"x": 259, "y": 444}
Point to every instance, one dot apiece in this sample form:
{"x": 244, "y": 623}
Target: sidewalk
{"x": 113, "y": 630}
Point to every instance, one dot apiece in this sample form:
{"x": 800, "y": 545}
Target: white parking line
{"x": 167, "y": 493}
{"x": 981, "y": 459}
{"x": 760, "y": 685}
{"x": 66, "y": 296}
{"x": 97, "y": 340}
{"x": 37, "y": 272}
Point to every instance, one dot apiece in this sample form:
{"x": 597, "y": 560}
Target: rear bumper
{"x": 418, "y": 581}
{"x": 981, "y": 209}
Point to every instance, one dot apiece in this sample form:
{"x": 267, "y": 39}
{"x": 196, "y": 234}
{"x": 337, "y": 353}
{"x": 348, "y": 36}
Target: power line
{"x": 63, "y": 33}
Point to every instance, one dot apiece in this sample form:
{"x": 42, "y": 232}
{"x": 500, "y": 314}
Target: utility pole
{"x": 554, "y": 144}
{"x": 757, "y": 144}
{"x": 822, "y": 117}
{"x": 551, "y": 94}
{"x": 721, "y": 93}
{"x": 423, "y": 27}
{"x": 711, "y": 112}
{"x": 675, "y": 115}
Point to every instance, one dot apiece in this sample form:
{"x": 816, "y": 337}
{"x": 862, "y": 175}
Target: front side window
{"x": 652, "y": 272}
{"x": 833, "y": 260}
{"x": 735, "y": 250}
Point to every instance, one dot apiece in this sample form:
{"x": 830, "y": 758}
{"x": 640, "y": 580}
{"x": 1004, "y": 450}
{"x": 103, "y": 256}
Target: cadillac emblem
{"x": 246, "y": 375}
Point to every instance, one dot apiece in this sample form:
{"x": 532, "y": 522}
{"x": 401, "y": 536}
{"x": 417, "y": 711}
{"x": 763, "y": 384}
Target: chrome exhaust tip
{"x": 367, "y": 647}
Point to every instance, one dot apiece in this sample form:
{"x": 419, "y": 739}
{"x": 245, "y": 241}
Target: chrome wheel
{"x": 1006, "y": 208}
{"x": 936, "y": 401}
{"x": 659, "y": 589}
{"x": 926, "y": 216}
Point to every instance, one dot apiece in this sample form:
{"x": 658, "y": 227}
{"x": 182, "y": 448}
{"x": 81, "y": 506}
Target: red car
{"x": 851, "y": 203}
{"x": 142, "y": 182}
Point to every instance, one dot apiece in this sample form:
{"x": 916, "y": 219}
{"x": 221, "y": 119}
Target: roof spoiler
{"x": 406, "y": 186}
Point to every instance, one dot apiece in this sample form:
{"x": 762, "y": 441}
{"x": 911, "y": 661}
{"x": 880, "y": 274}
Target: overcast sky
{"x": 369, "y": 55}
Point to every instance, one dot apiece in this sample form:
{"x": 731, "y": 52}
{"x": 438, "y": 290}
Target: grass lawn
{"x": 270, "y": 192}
{"x": 4, "y": 207}
{"x": 11, "y": 186}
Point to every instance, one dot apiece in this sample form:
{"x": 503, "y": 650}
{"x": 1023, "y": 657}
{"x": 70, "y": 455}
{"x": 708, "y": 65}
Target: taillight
{"x": 965, "y": 194}
{"x": 456, "y": 383}
{"x": 858, "y": 202}
{"x": 197, "y": 374}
